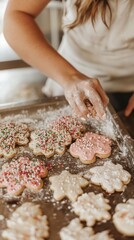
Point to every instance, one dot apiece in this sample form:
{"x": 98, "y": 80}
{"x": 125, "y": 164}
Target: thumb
{"x": 128, "y": 109}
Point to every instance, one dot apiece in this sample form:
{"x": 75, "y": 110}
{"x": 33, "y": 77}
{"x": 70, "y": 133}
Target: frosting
{"x": 112, "y": 177}
{"x": 67, "y": 185}
{"x": 12, "y": 134}
{"x": 27, "y": 223}
{"x": 55, "y": 138}
{"x": 90, "y": 146}
{"x": 92, "y": 207}
{"x": 21, "y": 173}
{"x": 123, "y": 217}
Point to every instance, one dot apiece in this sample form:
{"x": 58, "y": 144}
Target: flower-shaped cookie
{"x": 73, "y": 125}
{"x": 112, "y": 177}
{"x": 67, "y": 185}
{"x": 27, "y": 222}
{"x": 12, "y": 134}
{"x": 21, "y": 173}
{"x": 123, "y": 217}
{"x": 90, "y": 146}
{"x": 56, "y": 137}
{"x": 92, "y": 207}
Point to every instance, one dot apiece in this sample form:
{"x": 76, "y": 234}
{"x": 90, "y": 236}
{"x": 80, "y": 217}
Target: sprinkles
{"x": 21, "y": 173}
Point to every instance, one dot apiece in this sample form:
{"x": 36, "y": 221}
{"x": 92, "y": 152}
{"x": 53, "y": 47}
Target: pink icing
{"x": 21, "y": 173}
{"x": 92, "y": 144}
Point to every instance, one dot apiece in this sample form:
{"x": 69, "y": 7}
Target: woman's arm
{"x": 25, "y": 37}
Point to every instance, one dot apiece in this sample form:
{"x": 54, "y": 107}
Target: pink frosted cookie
{"x": 12, "y": 134}
{"x": 21, "y": 173}
{"x": 90, "y": 146}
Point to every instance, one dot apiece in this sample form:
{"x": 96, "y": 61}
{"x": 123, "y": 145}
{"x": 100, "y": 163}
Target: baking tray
{"x": 59, "y": 213}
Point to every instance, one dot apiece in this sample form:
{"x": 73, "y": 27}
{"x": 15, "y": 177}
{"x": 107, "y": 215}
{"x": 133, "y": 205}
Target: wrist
{"x": 70, "y": 78}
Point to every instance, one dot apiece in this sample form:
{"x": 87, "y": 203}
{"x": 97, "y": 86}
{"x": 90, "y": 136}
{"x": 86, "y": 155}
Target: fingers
{"x": 102, "y": 94}
{"x": 75, "y": 109}
{"x": 130, "y": 106}
{"x": 96, "y": 101}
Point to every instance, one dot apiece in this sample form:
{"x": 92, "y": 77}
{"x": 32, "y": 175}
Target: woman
{"x": 98, "y": 44}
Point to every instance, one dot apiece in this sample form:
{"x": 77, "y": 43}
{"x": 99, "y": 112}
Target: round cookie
{"x": 123, "y": 218}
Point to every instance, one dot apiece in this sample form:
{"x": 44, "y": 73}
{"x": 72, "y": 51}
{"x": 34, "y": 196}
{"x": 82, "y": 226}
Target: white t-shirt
{"x": 106, "y": 54}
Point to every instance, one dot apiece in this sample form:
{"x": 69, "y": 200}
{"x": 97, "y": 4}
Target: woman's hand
{"x": 130, "y": 106}
{"x": 81, "y": 89}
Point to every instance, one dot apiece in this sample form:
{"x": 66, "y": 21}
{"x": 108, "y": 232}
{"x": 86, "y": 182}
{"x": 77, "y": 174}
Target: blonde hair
{"x": 88, "y": 9}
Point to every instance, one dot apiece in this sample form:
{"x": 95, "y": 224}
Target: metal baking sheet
{"x": 59, "y": 213}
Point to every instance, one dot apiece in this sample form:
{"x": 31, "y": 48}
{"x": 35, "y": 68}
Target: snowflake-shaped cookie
{"x": 90, "y": 146}
{"x": 92, "y": 207}
{"x": 67, "y": 185}
{"x": 56, "y": 137}
{"x": 12, "y": 134}
{"x": 27, "y": 222}
{"x": 21, "y": 173}
{"x": 112, "y": 177}
{"x": 123, "y": 218}
{"x": 75, "y": 231}
{"x": 101, "y": 236}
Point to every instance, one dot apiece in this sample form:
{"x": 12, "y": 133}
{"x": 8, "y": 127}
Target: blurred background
{"x": 18, "y": 81}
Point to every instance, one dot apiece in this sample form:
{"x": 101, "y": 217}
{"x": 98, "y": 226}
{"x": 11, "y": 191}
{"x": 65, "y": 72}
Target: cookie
{"x": 90, "y": 146}
{"x": 67, "y": 185}
{"x": 55, "y": 139}
{"x": 27, "y": 223}
{"x": 21, "y": 173}
{"x": 75, "y": 231}
{"x": 123, "y": 218}
{"x": 111, "y": 177}
{"x": 101, "y": 236}
{"x": 49, "y": 142}
{"x": 92, "y": 207}
{"x": 73, "y": 125}
{"x": 12, "y": 134}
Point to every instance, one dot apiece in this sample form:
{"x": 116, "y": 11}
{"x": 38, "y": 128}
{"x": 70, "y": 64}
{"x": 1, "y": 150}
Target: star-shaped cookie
{"x": 11, "y": 135}
{"x": 21, "y": 173}
{"x": 90, "y": 146}
{"x": 67, "y": 185}
{"x": 112, "y": 177}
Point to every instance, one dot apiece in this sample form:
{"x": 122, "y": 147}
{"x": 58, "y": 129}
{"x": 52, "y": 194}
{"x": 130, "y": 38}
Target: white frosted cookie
{"x": 101, "y": 236}
{"x": 67, "y": 185}
{"x": 76, "y": 231}
{"x": 90, "y": 146}
{"x": 112, "y": 177}
{"x": 123, "y": 217}
{"x": 27, "y": 223}
{"x": 12, "y": 134}
{"x": 21, "y": 173}
{"x": 92, "y": 207}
